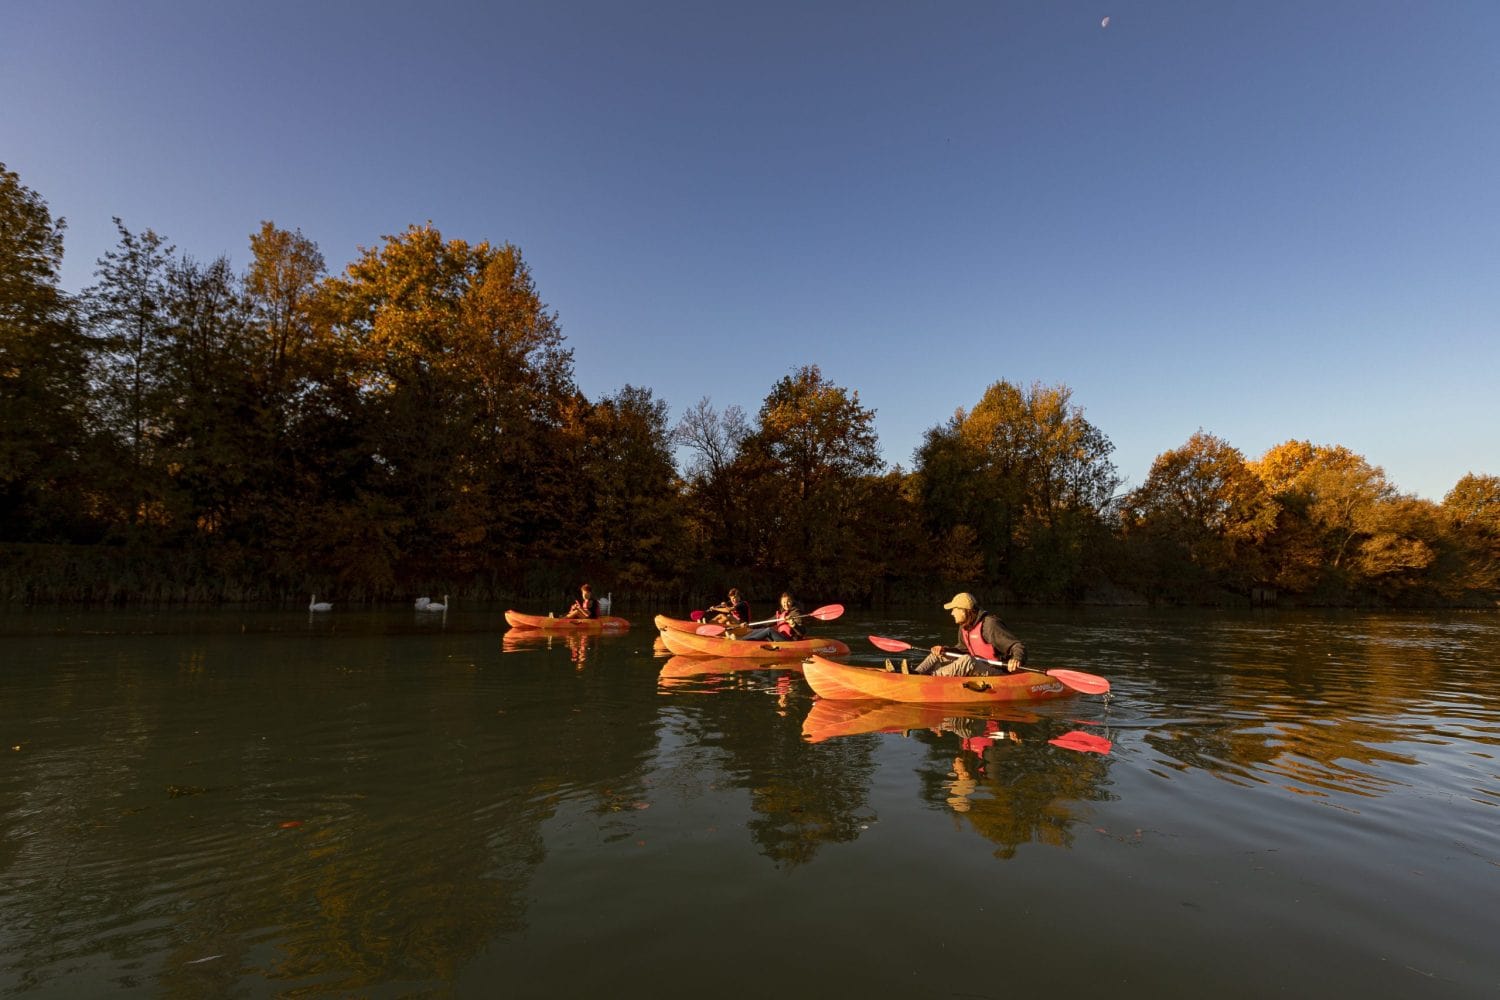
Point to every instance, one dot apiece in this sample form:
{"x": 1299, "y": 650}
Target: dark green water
{"x": 257, "y": 804}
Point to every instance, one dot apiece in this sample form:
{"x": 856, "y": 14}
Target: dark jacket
{"x": 994, "y": 631}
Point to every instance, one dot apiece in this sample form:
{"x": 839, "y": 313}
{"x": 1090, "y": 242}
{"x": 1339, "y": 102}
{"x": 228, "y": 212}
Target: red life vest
{"x": 974, "y": 640}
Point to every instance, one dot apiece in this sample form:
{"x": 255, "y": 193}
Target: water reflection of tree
{"x": 1317, "y": 710}
{"x": 802, "y": 796}
{"x": 1023, "y": 792}
{"x": 377, "y": 825}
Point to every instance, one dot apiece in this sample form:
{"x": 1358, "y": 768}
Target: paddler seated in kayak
{"x": 980, "y": 634}
{"x": 786, "y": 628}
{"x": 730, "y": 612}
{"x": 586, "y": 606}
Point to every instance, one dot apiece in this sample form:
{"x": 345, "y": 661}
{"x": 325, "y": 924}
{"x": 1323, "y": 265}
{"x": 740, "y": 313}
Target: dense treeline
{"x": 182, "y": 431}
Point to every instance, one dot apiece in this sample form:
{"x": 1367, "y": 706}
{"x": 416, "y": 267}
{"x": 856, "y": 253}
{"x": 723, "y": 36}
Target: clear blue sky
{"x": 1270, "y": 220}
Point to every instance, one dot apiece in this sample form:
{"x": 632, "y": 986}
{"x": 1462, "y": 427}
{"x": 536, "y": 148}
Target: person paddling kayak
{"x": 788, "y": 624}
{"x": 980, "y": 634}
{"x": 586, "y": 606}
{"x": 730, "y": 612}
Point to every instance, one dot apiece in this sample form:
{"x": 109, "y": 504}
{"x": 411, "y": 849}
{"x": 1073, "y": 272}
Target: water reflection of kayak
{"x": 518, "y": 619}
{"x": 691, "y": 644}
{"x": 842, "y": 682}
{"x": 695, "y": 666}
{"x": 831, "y": 718}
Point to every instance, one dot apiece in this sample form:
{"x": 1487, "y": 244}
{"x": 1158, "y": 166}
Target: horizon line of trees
{"x": 180, "y": 430}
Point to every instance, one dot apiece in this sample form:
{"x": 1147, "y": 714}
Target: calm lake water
{"x": 384, "y": 804}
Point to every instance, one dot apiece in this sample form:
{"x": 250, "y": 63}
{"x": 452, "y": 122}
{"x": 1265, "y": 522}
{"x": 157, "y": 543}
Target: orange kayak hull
{"x": 518, "y": 619}
{"x": 663, "y": 623}
{"x": 840, "y": 681}
{"x": 692, "y": 644}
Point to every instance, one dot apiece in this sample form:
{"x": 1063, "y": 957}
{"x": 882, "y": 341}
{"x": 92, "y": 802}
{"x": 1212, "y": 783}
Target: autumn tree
{"x": 207, "y": 442}
{"x": 626, "y": 517}
{"x": 1027, "y": 474}
{"x": 460, "y": 376}
{"x": 1342, "y": 524}
{"x": 1198, "y": 521}
{"x": 1472, "y": 511}
{"x": 126, "y": 319}
{"x": 812, "y": 446}
{"x": 715, "y": 495}
{"x": 43, "y": 373}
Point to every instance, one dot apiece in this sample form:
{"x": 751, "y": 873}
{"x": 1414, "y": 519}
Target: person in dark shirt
{"x": 730, "y": 612}
{"x": 981, "y": 636}
{"x": 586, "y": 606}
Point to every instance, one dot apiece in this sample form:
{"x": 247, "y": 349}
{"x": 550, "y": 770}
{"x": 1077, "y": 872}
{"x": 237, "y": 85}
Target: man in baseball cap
{"x": 982, "y": 637}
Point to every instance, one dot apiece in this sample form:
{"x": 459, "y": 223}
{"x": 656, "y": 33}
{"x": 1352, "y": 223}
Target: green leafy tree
{"x": 43, "y": 374}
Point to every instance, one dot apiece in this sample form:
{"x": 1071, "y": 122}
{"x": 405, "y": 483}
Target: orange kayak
{"x": 692, "y": 644}
{"x": 842, "y": 682}
{"x": 663, "y": 623}
{"x": 517, "y": 619}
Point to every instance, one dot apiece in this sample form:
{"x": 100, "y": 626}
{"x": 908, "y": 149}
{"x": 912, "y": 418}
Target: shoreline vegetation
{"x": 180, "y": 432}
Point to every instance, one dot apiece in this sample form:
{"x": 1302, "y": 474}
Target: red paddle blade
{"x": 889, "y": 645}
{"x": 827, "y": 612}
{"x": 1079, "y": 681}
{"x": 1082, "y": 742}
{"x": 710, "y": 630}
{"x": 696, "y": 616}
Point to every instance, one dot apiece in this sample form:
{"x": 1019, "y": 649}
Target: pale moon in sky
{"x": 1104, "y": 23}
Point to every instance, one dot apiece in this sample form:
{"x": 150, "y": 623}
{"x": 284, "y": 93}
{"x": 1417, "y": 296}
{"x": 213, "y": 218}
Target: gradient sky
{"x": 1269, "y": 220}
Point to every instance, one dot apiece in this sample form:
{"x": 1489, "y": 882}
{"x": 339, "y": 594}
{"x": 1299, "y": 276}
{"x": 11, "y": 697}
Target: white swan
{"x": 313, "y": 605}
{"x": 422, "y": 603}
{"x": 606, "y": 602}
{"x": 435, "y": 606}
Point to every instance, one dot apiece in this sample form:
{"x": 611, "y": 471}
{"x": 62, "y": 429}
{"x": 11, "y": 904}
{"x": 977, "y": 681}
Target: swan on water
{"x": 422, "y": 603}
{"x": 435, "y": 606}
{"x": 315, "y": 605}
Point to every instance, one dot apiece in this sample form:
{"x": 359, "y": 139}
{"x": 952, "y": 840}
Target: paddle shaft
{"x": 826, "y": 613}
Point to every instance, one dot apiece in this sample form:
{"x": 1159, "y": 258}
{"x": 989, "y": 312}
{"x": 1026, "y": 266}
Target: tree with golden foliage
{"x": 1198, "y": 521}
{"x": 1343, "y": 524}
{"x": 1030, "y": 477}
{"x": 460, "y": 376}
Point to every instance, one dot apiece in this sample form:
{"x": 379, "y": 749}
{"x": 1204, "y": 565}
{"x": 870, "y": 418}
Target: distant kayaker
{"x": 586, "y": 606}
{"x": 980, "y": 634}
{"x": 729, "y": 612}
{"x": 786, "y": 628}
